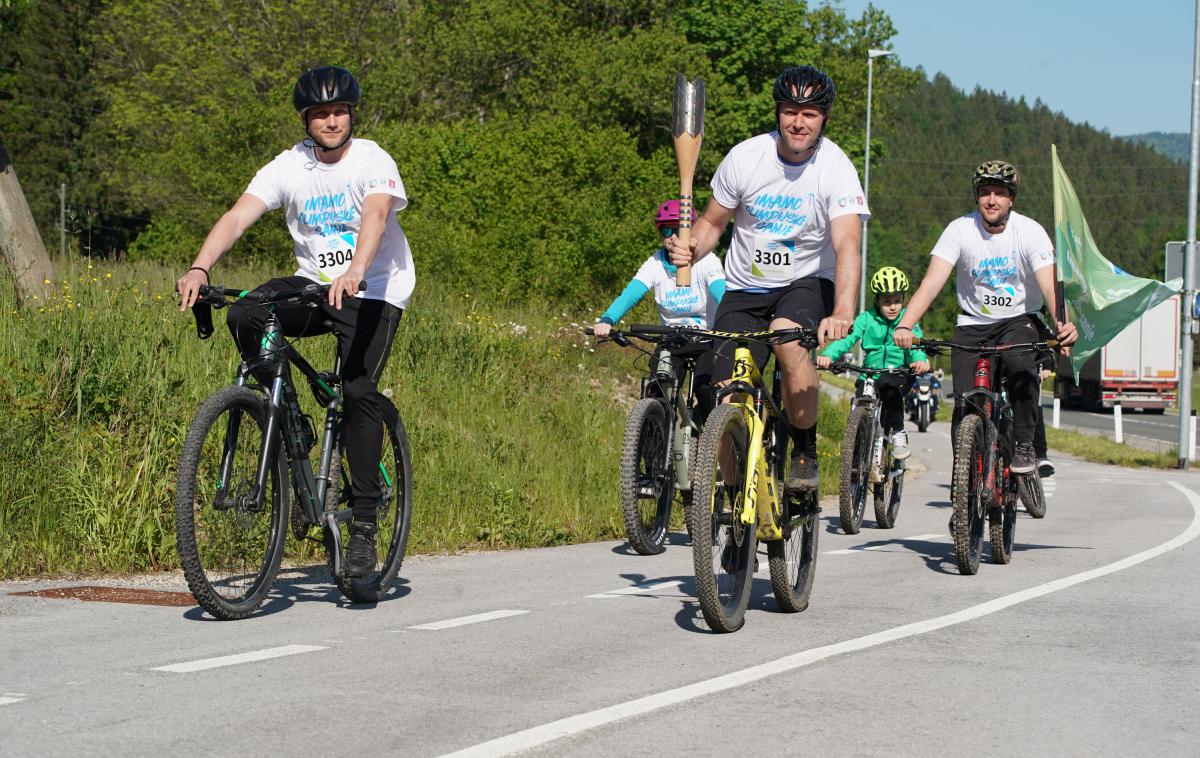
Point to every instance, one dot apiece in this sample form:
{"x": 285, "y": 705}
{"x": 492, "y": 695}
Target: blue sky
{"x": 1121, "y": 66}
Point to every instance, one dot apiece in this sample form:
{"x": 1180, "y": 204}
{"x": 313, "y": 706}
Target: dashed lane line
{"x": 883, "y": 545}
{"x": 543, "y": 734}
{"x": 477, "y": 618}
{"x": 232, "y": 660}
{"x": 8, "y": 698}
{"x": 638, "y": 589}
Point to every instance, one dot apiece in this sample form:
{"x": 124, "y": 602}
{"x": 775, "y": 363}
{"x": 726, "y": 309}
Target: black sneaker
{"x": 1045, "y": 468}
{"x": 802, "y": 474}
{"x": 360, "y": 555}
{"x": 1024, "y": 459}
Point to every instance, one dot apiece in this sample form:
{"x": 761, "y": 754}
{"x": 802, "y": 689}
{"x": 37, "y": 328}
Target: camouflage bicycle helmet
{"x": 889, "y": 280}
{"x": 804, "y": 85}
{"x": 998, "y": 172}
{"x": 325, "y": 85}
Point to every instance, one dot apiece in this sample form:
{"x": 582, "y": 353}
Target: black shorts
{"x": 805, "y": 301}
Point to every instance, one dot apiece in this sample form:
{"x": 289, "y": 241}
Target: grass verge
{"x": 1100, "y": 450}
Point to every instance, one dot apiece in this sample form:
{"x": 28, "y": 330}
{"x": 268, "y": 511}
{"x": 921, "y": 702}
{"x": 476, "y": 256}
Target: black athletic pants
{"x": 1019, "y": 368}
{"x": 365, "y": 329}
{"x": 891, "y": 390}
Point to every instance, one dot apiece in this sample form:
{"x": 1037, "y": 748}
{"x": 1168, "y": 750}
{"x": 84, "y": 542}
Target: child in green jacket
{"x": 874, "y": 328}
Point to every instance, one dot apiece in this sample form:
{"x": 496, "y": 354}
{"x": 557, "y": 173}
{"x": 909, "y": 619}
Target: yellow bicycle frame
{"x": 760, "y": 502}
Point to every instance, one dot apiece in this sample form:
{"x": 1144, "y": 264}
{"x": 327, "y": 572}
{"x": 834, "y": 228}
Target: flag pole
{"x": 1189, "y": 261}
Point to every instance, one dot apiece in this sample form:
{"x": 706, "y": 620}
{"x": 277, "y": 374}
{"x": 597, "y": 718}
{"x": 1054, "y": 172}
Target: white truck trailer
{"x": 1138, "y": 368}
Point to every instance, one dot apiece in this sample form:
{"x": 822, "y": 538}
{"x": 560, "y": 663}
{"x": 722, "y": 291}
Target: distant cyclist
{"x": 692, "y": 306}
{"x": 874, "y": 328}
{"x": 340, "y": 194}
{"x": 1005, "y": 265}
{"x": 797, "y": 207}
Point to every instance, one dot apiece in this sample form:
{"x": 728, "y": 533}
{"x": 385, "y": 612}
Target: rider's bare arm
{"x": 706, "y": 233}
{"x": 375, "y": 212}
{"x": 935, "y": 278}
{"x": 1064, "y": 331}
{"x": 228, "y": 229}
{"x": 846, "y": 234}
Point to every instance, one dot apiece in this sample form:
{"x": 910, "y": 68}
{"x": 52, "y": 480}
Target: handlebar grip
{"x": 589, "y": 331}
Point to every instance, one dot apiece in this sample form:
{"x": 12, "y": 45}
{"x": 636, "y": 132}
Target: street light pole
{"x": 872, "y": 54}
{"x": 1189, "y": 262}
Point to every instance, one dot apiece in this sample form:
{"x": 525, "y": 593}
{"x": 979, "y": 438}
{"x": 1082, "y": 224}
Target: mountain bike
{"x": 982, "y": 485}
{"x": 867, "y": 462}
{"x": 246, "y": 455}
{"x": 737, "y": 492}
{"x": 660, "y": 431}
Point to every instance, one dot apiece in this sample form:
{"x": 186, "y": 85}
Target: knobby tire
{"x": 646, "y": 468}
{"x": 969, "y": 479}
{"x": 856, "y": 470}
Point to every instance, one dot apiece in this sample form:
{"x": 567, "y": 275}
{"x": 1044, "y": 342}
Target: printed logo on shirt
{"x": 995, "y": 271}
{"x": 781, "y": 214}
{"x": 389, "y": 183}
{"x": 680, "y": 300}
{"x": 326, "y": 213}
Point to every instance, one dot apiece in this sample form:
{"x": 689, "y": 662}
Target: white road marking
{"x": 465, "y": 620}
{"x": 8, "y": 698}
{"x": 233, "y": 660}
{"x": 942, "y": 434}
{"x": 640, "y": 588}
{"x": 880, "y": 546}
{"x": 528, "y": 739}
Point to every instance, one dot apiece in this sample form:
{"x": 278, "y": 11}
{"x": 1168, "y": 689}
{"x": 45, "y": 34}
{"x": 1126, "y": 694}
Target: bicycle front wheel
{"x": 647, "y": 481}
{"x": 887, "y": 497}
{"x": 230, "y": 538}
{"x": 723, "y": 549}
{"x": 856, "y": 469}
{"x": 793, "y": 559}
{"x": 969, "y": 481}
{"x": 394, "y": 517}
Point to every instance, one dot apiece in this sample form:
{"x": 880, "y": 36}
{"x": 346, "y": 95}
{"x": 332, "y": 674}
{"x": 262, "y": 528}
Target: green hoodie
{"x": 880, "y": 350}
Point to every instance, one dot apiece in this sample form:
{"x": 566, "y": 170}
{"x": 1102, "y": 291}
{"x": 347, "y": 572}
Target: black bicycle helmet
{"x": 998, "y": 172}
{"x": 324, "y": 85}
{"x": 804, "y": 85}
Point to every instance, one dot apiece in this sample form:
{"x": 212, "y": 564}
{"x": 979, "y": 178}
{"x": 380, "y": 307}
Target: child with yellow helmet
{"x": 874, "y": 327}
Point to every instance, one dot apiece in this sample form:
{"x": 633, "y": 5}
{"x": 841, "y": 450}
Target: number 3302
{"x": 997, "y": 300}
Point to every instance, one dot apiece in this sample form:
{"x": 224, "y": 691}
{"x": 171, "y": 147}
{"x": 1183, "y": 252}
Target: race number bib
{"x": 332, "y": 254}
{"x": 1002, "y": 301}
{"x": 773, "y": 258}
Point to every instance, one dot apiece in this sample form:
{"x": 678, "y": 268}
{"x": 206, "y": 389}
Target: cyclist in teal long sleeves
{"x": 874, "y": 328}
{"x": 693, "y": 306}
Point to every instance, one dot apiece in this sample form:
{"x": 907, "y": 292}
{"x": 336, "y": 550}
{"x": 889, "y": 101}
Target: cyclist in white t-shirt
{"x": 1005, "y": 265}
{"x": 340, "y": 194}
{"x": 797, "y": 207}
{"x": 693, "y": 306}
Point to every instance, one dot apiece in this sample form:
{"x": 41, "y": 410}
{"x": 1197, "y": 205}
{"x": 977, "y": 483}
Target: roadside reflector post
{"x": 1192, "y": 437}
{"x": 1118, "y": 434}
{"x": 1057, "y": 408}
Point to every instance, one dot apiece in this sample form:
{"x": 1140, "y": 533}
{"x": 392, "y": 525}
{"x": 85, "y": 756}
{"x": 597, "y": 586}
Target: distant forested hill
{"x": 1134, "y": 198}
{"x": 1174, "y": 145}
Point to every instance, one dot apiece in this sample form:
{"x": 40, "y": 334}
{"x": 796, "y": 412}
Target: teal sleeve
{"x": 914, "y": 354}
{"x": 838, "y": 348}
{"x": 716, "y": 288}
{"x": 634, "y": 291}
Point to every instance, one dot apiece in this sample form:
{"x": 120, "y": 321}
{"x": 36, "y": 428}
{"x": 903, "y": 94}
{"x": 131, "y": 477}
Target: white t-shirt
{"x": 996, "y": 271}
{"x": 324, "y": 204}
{"x": 783, "y": 211}
{"x": 682, "y": 306}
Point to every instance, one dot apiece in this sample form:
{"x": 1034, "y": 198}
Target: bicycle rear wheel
{"x": 1002, "y": 528}
{"x": 230, "y": 542}
{"x": 647, "y": 481}
{"x": 967, "y": 521}
{"x": 1033, "y": 498}
{"x": 723, "y": 549}
{"x": 394, "y": 517}
{"x": 887, "y": 497}
{"x": 856, "y": 469}
{"x": 793, "y": 559}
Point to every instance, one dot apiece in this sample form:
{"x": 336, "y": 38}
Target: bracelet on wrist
{"x": 198, "y": 268}
{"x": 905, "y": 328}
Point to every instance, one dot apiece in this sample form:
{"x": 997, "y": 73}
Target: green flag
{"x": 1101, "y": 298}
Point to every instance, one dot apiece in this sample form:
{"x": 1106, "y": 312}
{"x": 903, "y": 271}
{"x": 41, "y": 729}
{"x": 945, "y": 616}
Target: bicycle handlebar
{"x": 838, "y": 367}
{"x": 685, "y": 334}
{"x": 938, "y": 347}
{"x": 214, "y": 296}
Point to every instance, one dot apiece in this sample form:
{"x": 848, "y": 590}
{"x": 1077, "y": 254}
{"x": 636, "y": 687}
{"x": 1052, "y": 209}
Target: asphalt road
{"x": 1085, "y": 645}
{"x": 1163, "y": 427}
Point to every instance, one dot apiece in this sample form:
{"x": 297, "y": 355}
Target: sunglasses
{"x": 667, "y": 231}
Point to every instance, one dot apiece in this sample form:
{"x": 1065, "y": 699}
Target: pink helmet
{"x": 668, "y": 214}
